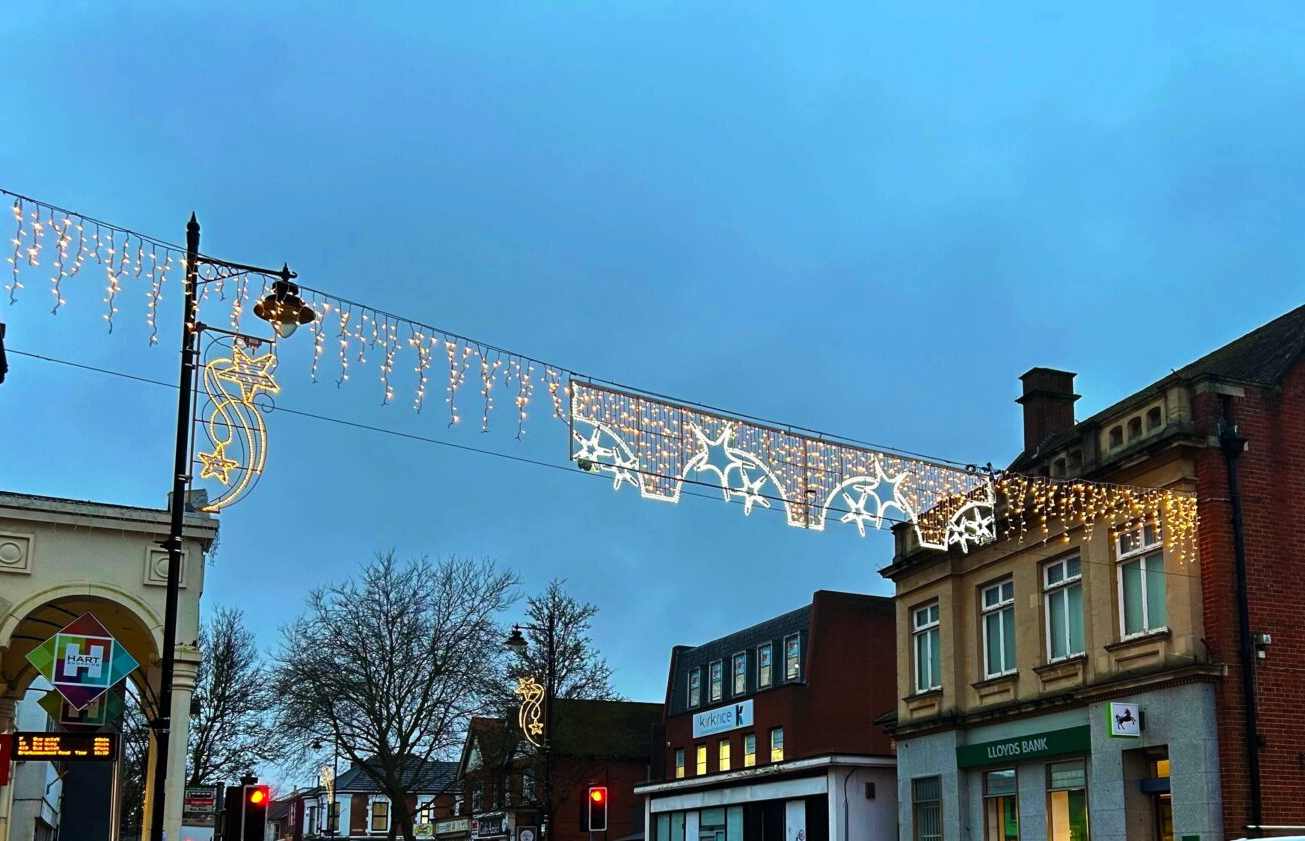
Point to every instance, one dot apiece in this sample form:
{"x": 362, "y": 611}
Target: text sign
{"x": 722, "y": 719}
{"x": 454, "y": 825}
{"x": 490, "y": 826}
{"x": 1032, "y": 746}
{"x": 67, "y": 747}
{"x": 1125, "y": 720}
{"x": 82, "y": 660}
{"x": 199, "y": 806}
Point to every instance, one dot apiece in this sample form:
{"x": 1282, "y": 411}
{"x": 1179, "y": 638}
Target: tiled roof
{"x": 429, "y": 776}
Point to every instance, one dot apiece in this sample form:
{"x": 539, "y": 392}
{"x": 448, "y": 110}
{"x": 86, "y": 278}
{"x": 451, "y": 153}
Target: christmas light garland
{"x": 641, "y": 440}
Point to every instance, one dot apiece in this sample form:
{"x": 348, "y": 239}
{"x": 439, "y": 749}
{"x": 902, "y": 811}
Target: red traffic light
{"x": 258, "y": 795}
{"x": 598, "y": 795}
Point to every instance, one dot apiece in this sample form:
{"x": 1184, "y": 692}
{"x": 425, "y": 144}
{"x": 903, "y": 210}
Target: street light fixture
{"x": 516, "y": 643}
{"x": 283, "y": 308}
{"x": 190, "y": 330}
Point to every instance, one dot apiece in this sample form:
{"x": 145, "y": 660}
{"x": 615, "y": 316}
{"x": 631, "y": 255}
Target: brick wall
{"x": 1272, "y": 479}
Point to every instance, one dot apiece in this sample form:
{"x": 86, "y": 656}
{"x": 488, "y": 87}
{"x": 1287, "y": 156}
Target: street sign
{"x": 1125, "y": 720}
{"x": 199, "y": 806}
{"x": 66, "y": 747}
{"x": 82, "y": 660}
{"x": 97, "y": 713}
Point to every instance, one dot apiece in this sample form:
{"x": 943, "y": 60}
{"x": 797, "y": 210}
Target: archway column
{"x": 183, "y": 689}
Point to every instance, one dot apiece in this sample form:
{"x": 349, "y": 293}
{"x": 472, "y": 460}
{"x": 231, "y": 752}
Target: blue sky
{"x": 864, "y": 218}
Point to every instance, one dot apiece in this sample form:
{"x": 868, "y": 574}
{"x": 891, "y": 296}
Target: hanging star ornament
{"x": 216, "y": 464}
{"x": 250, "y": 374}
{"x": 891, "y": 500}
{"x": 751, "y": 491}
{"x": 858, "y": 511}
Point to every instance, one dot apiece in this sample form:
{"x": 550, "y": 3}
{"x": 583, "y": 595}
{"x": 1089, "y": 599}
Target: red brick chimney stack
{"x": 1048, "y": 403}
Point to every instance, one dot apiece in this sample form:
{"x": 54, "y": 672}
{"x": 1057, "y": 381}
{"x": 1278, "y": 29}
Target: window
{"x": 1067, "y": 816}
{"x": 717, "y": 680}
{"x": 777, "y": 744}
{"x": 478, "y": 798}
{"x": 792, "y": 661}
{"x": 380, "y": 815}
{"x": 679, "y": 763}
{"x": 333, "y": 819}
{"x": 1153, "y": 418}
{"x": 763, "y": 665}
{"x": 749, "y": 750}
{"x": 926, "y": 808}
{"x": 701, "y": 752}
{"x": 1141, "y": 582}
{"x": 310, "y": 818}
{"x": 1001, "y": 813}
{"x": 1134, "y": 428}
{"x": 998, "y": 604}
{"x": 695, "y": 687}
{"x": 928, "y": 656}
{"x": 740, "y": 674}
{"x": 1063, "y": 583}
{"x": 1116, "y": 437}
{"x": 529, "y": 791}
{"x": 724, "y": 756}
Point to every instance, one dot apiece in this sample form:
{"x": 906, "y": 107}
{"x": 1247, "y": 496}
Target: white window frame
{"x": 371, "y": 815}
{"x": 736, "y": 690}
{"x": 797, "y": 676}
{"x": 724, "y": 757}
{"x": 749, "y": 757}
{"x": 1056, "y": 590}
{"x": 1122, "y": 558}
{"x": 918, "y": 629}
{"x": 696, "y": 671}
{"x": 986, "y": 610}
{"x": 769, "y": 648}
{"x": 700, "y": 760}
{"x": 715, "y": 680}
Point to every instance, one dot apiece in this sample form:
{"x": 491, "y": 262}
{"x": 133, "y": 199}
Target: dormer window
{"x": 695, "y": 687}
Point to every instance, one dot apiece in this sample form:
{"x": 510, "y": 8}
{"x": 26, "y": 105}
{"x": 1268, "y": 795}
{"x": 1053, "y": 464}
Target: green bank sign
{"x": 1020, "y": 748}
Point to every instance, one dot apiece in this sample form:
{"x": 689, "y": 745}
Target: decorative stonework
{"x": 1140, "y": 652}
{"x": 16, "y": 552}
{"x": 1061, "y": 674}
{"x": 996, "y": 689}
{"x": 156, "y": 567}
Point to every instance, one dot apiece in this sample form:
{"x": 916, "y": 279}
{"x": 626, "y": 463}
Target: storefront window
{"x": 749, "y": 750}
{"x": 999, "y": 629}
{"x": 702, "y": 760}
{"x": 928, "y": 657}
{"x": 724, "y": 756}
{"x": 1001, "y": 813}
{"x": 1063, "y": 582}
{"x": 763, "y": 665}
{"x": 926, "y": 808}
{"x": 711, "y": 825}
{"x": 679, "y": 763}
{"x": 1067, "y": 816}
{"x": 1142, "y": 582}
{"x": 1164, "y": 804}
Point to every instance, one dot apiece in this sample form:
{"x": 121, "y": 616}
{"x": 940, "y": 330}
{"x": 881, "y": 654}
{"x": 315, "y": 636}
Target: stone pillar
{"x": 8, "y": 709}
{"x": 183, "y": 687}
{"x": 146, "y": 816}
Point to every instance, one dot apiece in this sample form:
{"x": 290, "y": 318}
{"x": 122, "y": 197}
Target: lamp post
{"x": 331, "y": 827}
{"x": 285, "y": 311}
{"x": 517, "y": 644}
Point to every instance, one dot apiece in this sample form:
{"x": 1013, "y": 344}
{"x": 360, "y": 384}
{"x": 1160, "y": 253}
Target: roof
{"x": 1261, "y": 358}
{"x": 279, "y": 809}
{"x": 604, "y": 729}
{"x": 421, "y": 776}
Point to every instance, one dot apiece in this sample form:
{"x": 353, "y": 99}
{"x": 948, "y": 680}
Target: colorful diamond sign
{"x": 82, "y": 661}
{"x": 97, "y": 713}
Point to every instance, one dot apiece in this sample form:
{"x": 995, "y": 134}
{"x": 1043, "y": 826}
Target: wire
{"x": 1026, "y": 550}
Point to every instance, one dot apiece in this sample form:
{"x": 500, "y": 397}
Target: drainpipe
{"x": 1233, "y": 445}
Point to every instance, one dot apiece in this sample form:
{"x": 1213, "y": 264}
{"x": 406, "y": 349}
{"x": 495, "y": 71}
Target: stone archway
{"x": 62, "y": 558}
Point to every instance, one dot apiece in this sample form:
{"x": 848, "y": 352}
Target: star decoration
{"x": 217, "y": 465}
{"x": 590, "y": 448}
{"x": 250, "y": 374}
{"x": 890, "y": 500}
{"x": 621, "y": 470}
{"x": 857, "y": 512}
{"x": 702, "y": 461}
{"x": 751, "y": 491}
{"x": 536, "y": 728}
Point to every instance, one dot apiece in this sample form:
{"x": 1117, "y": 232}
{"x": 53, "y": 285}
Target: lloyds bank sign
{"x": 1030, "y": 746}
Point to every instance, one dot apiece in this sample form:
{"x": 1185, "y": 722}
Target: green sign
{"x": 1031, "y": 746}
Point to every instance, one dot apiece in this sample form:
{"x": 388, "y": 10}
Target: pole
{"x": 180, "y": 479}
{"x": 1233, "y": 445}
{"x": 550, "y": 679}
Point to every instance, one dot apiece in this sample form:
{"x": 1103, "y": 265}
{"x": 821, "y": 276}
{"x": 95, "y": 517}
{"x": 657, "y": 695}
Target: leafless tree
{"x": 234, "y": 731}
{"x": 581, "y": 671}
{"x": 390, "y": 666}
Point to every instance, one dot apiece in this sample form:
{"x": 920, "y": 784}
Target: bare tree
{"x": 581, "y": 672}
{"x": 388, "y": 667}
{"x": 234, "y": 731}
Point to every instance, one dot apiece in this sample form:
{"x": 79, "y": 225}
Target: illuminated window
{"x": 1001, "y": 813}
{"x": 695, "y": 687}
{"x": 740, "y": 674}
{"x": 1067, "y": 809}
{"x": 380, "y": 815}
{"x": 1141, "y": 582}
{"x": 717, "y": 680}
{"x": 763, "y": 665}
{"x": 749, "y": 750}
{"x": 702, "y": 760}
{"x": 724, "y": 756}
{"x": 792, "y": 661}
{"x": 333, "y": 819}
{"x": 928, "y": 654}
{"x": 998, "y": 603}
{"x": 679, "y": 763}
{"x": 1063, "y": 583}
{"x": 777, "y": 744}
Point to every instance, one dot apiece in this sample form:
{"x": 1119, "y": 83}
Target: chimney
{"x": 1048, "y": 403}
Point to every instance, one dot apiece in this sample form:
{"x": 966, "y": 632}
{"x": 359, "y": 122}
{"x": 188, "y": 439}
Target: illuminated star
{"x": 891, "y": 499}
{"x": 621, "y": 470}
{"x": 590, "y": 449}
{"x": 250, "y": 374}
{"x": 702, "y": 462}
{"x": 857, "y": 511}
{"x": 536, "y": 728}
{"x": 751, "y": 491}
{"x": 217, "y": 465}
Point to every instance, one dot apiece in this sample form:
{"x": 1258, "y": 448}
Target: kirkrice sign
{"x": 722, "y": 719}
{"x": 1031, "y": 746}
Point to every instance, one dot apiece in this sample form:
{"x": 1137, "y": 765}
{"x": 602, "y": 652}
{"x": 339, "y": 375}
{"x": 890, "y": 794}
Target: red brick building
{"x": 769, "y": 731}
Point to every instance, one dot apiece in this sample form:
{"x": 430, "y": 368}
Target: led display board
{"x": 66, "y": 747}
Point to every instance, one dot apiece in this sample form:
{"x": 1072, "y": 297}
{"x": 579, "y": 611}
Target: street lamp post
{"x": 274, "y": 310}
{"x": 517, "y": 643}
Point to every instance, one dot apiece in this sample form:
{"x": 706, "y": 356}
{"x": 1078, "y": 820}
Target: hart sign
{"x": 82, "y": 661}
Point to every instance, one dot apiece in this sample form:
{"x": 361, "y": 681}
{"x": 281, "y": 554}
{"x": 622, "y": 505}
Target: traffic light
{"x": 254, "y": 801}
{"x": 598, "y": 808}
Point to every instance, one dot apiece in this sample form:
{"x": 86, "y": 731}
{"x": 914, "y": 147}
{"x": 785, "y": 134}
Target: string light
{"x": 15, "y": 283}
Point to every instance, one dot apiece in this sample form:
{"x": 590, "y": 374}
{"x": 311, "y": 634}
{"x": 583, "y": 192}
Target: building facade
{"x": 769, "y": 733}
{"x": 356, "y": 807}
{"x": 1086, "y": 681}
